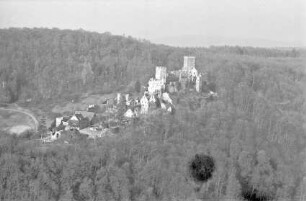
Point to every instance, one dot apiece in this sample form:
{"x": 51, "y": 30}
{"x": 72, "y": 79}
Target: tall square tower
{"x": 189, "y": 63}
{"x": 161, "y": 73}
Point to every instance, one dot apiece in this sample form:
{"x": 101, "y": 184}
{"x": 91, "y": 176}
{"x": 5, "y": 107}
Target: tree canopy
{"x": 254, "y": 131}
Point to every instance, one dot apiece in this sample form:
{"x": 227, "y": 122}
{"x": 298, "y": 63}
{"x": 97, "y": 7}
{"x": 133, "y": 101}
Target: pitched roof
{"x": 66, "y": 118}
{"x": 129, "y": 113}
{"x": 105, "y": 102}
{"x": 76, "y": 117}
{"x": 86, "y": 114}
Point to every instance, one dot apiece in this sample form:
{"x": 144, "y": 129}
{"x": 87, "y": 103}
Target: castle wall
{"x": 161, "y": 73}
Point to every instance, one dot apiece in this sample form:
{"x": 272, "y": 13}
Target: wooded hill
{"x": 253, "y": 134}
{"x": 42, "y": 64}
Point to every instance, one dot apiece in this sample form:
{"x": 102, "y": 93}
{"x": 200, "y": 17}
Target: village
{"x": 107, "y": 119}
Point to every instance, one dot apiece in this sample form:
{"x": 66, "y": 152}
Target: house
{"x": 93, "y": 108}
{"x": 55, "y": 135}
{"x": 163, "y": 106}
{"x": 78, "y": 121}
{"x": 65, "y": 121}
{"x": 129, "y": 113}
{"x": 212, "y": 95}
{"x": 171, "y": 109}
{"x": 105, "y": 102}
{"x": 58, "y": 121}
{"x": 137, "y": 110}
{"x": 166, "y": 97}
{"x": 168, "y": 107}
{"x": 52, "y": 137}
{"x": 74, "y": 121}
{"x": 85, "y": 114}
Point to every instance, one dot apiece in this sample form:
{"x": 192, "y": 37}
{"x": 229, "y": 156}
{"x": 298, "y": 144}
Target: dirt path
{"x": 23, "y": 111}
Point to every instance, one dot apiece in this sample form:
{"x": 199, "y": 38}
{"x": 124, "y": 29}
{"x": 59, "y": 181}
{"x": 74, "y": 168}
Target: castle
{"x": 188, "y": 75}
{"x": 157, "y": 95}
{"x": 158, "y": 87}
{"x": 157, "y": 84}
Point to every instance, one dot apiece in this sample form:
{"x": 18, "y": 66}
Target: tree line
{"x": 39, "y": 64}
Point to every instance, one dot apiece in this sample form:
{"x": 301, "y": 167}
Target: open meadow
{"x": 15, "y": 122}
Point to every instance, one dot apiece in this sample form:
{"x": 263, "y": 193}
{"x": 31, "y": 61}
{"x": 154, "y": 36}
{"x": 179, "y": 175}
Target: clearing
{"x": 15, "y": 119}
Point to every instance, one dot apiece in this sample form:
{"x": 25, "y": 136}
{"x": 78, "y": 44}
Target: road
{"x": 23, "y": 111}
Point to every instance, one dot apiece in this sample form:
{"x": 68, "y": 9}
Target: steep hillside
{"x": 37, "y": 64}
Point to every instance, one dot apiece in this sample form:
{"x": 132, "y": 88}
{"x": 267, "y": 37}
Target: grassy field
{"x": 15, "y": 122}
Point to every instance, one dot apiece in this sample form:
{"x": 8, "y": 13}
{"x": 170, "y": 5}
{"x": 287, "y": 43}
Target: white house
{"x": 85, "y": 114}
{"x": 166, "y": 97}
{"x": 74, "y": 118}
{"x": 129, "y": 113}
{"x": 55, "y": 136}
{"x": 163, "y": 106}
{"x": 58, "y": 121}
{"x": 214, "y": 94}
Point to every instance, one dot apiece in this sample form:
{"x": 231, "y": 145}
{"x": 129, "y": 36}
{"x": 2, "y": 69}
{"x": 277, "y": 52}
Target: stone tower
{"x": 198, "y": 83}
{"x": 161, "y": 73}
{"x": 189, "y": 63}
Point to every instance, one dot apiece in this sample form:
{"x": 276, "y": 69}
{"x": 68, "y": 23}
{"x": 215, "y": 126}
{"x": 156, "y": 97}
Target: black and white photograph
{"x": 152, "y": 100}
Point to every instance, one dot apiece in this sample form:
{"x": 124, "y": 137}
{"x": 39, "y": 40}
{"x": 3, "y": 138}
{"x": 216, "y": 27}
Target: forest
{"x": 41, "y": 64}
{"x": 248, "y": 144}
